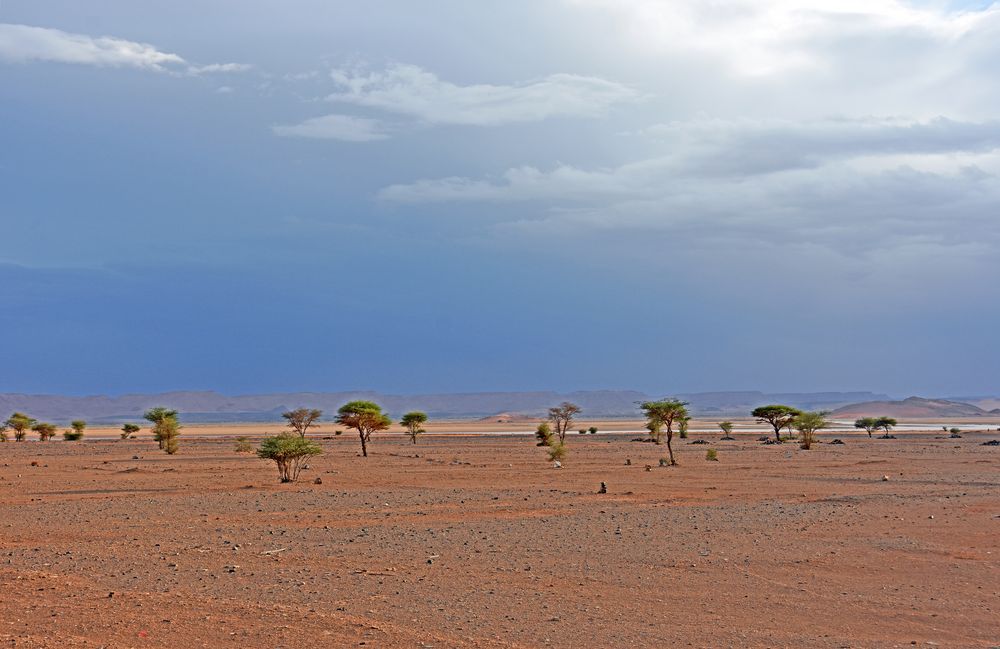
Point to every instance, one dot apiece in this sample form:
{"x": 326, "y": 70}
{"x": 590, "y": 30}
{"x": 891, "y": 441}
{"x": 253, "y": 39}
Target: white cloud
{"x": 766, "y": 38}
{"x": 217, "y": 68}
{"x": 414, "y": 92}
{"x": 24, "y": 43}
{"x": 335, "y": 127}
{"x": 710, "y": 150}
{"x": 860, "y": 182}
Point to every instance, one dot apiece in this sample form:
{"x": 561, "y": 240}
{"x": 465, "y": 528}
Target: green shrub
{"x": 129, "y": 431}
{"x": 243, "y": 445}
{"x": 543, "y": 434}
{"x": 557, "y": 452}
{"x": 289, "y": 452}
{"x": 711, "y": 455}
{"x": 592, "y": 430}
{"x": 582, "y": 431}
{"x": 72, "y": 435}
{"x": 46, "y": 431}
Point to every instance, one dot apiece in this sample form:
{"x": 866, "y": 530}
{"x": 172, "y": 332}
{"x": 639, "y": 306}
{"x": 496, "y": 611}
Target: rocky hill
{"x": 911, "y": 407}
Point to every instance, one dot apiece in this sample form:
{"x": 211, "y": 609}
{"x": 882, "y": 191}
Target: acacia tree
{"x": 165, "y": 428}
{"x": 727, "y": 429}
{"x": 128, "y": 430}
{"x": 562, "y": 418}
{"x": 302, "y": 419}
{"x": 885, "y": 424}
{"x": 3, "y": 431}
{"x": 413, "y": 422}
{"x": 366, "y": 417}
{"x": 45, "y": 430}
{"x": 867, "y": 423}
{"x": 664, "y": 413}
{"x": 20, "y": 423}
{"x": 808, "y": 423}
{"x": 289, "y": 453}
{"x": 78, "y": 426}
{"x": 777, "y": 415}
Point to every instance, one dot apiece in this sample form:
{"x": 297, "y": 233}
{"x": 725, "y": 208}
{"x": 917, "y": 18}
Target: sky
{"x": 663, "y": 195}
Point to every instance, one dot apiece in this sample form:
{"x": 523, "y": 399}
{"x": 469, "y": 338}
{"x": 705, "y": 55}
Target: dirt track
{"x": 479, "y": 542}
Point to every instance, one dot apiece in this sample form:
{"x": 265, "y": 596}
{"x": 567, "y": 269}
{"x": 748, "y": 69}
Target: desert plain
{"x": 478, "y": 541}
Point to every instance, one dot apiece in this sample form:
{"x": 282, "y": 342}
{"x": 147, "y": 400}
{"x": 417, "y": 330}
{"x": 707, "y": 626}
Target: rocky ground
{"x": 479, "y": 542}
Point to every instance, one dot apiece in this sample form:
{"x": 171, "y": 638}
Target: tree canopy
{"x": 413, "y": 423}
{"x": 808, "y": 423}
{"x": 885, "y": 424}
{"x": 20, "y": 423}
{"x": 777, "y": 415}
{"x": 289, "y": 452}
{"x": 45, "y": 430}
{"x": 561, "y": 417}
{"x": 366, "y": 417}
{"x": 302, "y": 419}
{"x": 664, "y": 413}
{"x": 867, "y": 423}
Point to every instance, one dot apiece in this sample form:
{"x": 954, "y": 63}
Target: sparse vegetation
{"x": 582, "y": 431}
{"x": 867, "y": 423}
{"x": 129, "y": 430}
{"x": 712, "y": 455}
{"x": 301, "y": 420}
{"x": 664, "y": 413}
{"x": 808, "y": 424}
{"x": 727, "y": 429}
{"x": 20, "y": 423}
{"x": 885, "y": 424}
{"x": 78, "y": 426}
{"x": 289, "y": 452}
{"x": 413, "y": 423}
{"x": 3, "y": 431}
{"x": 778, "y": 416}
{"x": 592, "y": 430}
{"x": 682, "y": 427}
{"x": 954, "y": 431}
{"x": 543, "y": 434}
{"x": 243, "y": 445}
{"x": 166, "y": 428}
{"x": 46, "y": 431}
{"x": 557, "y": 452}
{"x": 366, "y": 417}
{"x": 562, "y": 418}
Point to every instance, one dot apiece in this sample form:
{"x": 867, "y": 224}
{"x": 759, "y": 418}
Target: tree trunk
{"x": 670, "y": 450}
{"x": 413, "y": 438}
{"x": 364, "y": 446}
{"x": 777, "y": 434}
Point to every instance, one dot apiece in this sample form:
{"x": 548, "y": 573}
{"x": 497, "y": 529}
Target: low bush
{"x": 711, "y": 455}
{"x": 289, "y": 452}
{"x": 243, "y": 445}
{"x": 557, "y": 452}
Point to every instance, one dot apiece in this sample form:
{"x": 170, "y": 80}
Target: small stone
{"x": 885, "y": 478}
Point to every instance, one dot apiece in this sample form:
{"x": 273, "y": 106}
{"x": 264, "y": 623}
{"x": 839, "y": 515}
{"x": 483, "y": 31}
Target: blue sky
{"x": 547, "y": 194}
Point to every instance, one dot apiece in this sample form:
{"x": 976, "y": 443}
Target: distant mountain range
{"x": 915, "y": 407}
{"x": 211, "y": 406}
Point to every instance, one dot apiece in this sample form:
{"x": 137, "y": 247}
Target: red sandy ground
{"x": 479, "y": 542}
